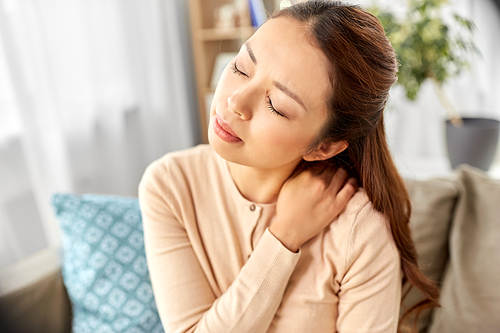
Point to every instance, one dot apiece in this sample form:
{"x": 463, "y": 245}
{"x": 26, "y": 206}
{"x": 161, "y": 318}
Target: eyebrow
{"x": 277, "y": 84}
{"x": 250, "y": 53}
{"x": 289, "y": 93}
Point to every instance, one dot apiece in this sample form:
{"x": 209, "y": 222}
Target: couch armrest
{"x": 36, "y": 305}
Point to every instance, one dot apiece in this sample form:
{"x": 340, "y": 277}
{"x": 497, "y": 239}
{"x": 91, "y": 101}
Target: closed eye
{"x": 271, "y": 107}
{"x": 236, "y": 70}
{"x": 269, "y": 103}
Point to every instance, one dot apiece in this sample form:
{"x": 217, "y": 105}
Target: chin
{"x": 227, "y": 151}
{"x": 220, "y": 147}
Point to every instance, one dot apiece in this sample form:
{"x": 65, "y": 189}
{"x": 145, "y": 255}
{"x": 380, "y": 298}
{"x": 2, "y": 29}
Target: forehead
{"x": 284, "y": 48}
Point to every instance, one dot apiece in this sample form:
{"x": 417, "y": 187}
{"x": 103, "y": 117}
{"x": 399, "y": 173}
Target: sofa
{"x": 455, "y": 224}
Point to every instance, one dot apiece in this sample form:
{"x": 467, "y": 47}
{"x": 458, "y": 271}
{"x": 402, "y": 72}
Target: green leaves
{"x": 428, "y": 44}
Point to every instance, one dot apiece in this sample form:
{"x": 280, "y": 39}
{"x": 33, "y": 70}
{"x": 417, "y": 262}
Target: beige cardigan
{"x": 215, "y": 267}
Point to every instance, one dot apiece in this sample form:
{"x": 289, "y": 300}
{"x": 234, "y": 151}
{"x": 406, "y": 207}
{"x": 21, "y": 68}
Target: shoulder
{"x": 362, "y": 220}
{"x": 364, "y": 232}
{"x": 178, "y": 168}
{"x": 184, "y": 159}
{"x": 359, "y": 216}
{"x": 192, "y": 160}
{"x": 370, "y": 273}
{"x": 189, "y": 177}
{"x": 365, "y": 222}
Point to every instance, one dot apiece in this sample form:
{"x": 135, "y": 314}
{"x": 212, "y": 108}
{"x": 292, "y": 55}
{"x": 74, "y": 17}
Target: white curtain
{"x": 91, "y": 92}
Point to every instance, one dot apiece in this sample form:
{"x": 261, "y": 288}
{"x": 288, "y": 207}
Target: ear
{"x": 325, "y": 151}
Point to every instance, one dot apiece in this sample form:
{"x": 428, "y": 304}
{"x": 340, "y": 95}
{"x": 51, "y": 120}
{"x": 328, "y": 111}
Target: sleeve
{"x": 183, "y": 296}
{"x": 370, "y": 290}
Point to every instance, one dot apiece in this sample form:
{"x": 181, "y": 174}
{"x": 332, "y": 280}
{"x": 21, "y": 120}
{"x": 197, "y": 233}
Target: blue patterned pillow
{"x": 104, "y": 264}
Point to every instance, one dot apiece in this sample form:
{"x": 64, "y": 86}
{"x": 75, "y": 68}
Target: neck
{"x": 260, "y": 185}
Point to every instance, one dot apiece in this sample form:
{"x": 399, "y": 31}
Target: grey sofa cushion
{"x": 41, "y": 307}
{"x": 471, "y": 287}
{"x": 433, "y": 202}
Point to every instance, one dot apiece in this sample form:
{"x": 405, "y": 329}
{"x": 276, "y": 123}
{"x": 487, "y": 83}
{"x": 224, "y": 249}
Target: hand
{"x": 309, "y": 202}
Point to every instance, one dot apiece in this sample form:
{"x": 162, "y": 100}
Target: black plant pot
{"x": 474, "y": 143}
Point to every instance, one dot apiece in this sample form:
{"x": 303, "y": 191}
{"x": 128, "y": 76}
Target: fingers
{"x": 347, "y": 192}
{"x": 317, "y": 168}
{"x": 338, "y": 180}
{"x": 333, "y": 178}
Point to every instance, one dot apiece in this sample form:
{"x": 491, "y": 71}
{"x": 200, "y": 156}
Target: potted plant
{"x": 430, "y": 47}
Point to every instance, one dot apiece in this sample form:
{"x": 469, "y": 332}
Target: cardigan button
{"x": 252, "y": 207}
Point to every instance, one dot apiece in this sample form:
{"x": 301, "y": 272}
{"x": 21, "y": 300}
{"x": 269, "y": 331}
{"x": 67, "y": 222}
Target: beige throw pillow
{"x": 433, "y": 202}
{"x": 471, "y": 288}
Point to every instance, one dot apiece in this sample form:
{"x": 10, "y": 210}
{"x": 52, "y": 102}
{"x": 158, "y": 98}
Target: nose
{"x": 240, "y": 104}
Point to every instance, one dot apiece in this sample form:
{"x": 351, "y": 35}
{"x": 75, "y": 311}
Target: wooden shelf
{"x": 208, "y": 90}
{"x": 209, "y": 41}
{"x": 226, "y": 34}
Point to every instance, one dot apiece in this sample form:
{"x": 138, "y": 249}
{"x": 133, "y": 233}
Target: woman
{"x": 253, "y": 233}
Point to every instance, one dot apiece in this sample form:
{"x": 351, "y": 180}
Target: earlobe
{"x": 326, "y": 151}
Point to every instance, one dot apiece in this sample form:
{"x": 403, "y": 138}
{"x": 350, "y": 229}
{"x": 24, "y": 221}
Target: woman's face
{"x": 270, "y": 102}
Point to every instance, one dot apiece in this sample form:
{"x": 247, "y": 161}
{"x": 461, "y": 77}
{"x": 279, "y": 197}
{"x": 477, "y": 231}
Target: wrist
{"x": 286, "y": 238}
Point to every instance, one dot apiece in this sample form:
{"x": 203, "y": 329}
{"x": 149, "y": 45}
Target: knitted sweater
{"x": 215, "y": 266}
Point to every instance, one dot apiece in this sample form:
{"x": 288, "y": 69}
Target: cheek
{"x": 227, "y": 82}
{"x": 283, "y": 134}
{"x": 303, "y": 134}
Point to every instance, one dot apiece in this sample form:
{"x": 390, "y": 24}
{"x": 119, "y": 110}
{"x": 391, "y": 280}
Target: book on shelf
{"x": 258, "y": 13}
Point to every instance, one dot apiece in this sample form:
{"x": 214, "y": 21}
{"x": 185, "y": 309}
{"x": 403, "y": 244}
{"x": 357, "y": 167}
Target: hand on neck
{"x": 260, "y": 185}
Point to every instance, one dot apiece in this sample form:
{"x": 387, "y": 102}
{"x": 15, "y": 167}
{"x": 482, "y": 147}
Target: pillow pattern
{"x": 104, "y": 264}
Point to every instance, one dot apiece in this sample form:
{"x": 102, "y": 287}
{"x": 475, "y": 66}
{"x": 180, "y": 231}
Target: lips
{"x": 224, "y": 131}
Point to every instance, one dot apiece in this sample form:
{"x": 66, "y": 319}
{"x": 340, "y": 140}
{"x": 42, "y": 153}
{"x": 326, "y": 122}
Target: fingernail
{"x": 353, "y": 181}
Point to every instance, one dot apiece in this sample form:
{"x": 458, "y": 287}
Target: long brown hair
{"x": 363, "y": 68}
